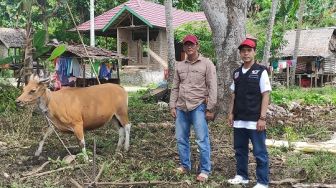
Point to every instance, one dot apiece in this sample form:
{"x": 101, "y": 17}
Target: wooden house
{"x": 11, "y": 41}
{"x": 316, "y": 61}
{"x": 138, "y": 24}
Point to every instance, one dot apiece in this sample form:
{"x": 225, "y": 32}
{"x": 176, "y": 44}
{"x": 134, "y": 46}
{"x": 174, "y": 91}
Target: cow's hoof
{"x": 118, "y": 149}
{"x": 126, "y": 149}
{"x": 86, "y": 159}
{"x": 37, "y": 153}
{"x": 118, "y": 155}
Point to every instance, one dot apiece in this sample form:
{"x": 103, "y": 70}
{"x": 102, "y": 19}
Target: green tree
{"x": 204, "y": 34}
{"x": 187, "y": 5}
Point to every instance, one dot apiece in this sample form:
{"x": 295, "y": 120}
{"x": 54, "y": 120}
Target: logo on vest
{"x": 254, "y": 74}
{"x": 255, "y": 71}
{"x": 236, "y": 75}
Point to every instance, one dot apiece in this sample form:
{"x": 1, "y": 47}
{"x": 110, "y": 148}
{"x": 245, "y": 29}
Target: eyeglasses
{"x": 191, "y": 45}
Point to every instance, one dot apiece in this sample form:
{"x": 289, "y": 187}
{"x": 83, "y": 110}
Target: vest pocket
{"x": 253, "y": 85}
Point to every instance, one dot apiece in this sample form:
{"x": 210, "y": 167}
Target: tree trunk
{"x": 46, "y": 16}
{"x": 170, "y": 39}
{"x": 297, "y": 41}
{"x": 28, "y": 55}
{"x": 269, "y": 33}
{"x": 227, "y": 22}
{"x": 46, "y": 25}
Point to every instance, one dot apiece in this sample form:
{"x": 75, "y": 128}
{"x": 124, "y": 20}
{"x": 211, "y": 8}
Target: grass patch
{"x": 146, "y": 112}
{"x": 311, "y": 96}
{"x": 8, "y": 94}
{"x": 319, "y": 167}
{"x": 299, "y": 133}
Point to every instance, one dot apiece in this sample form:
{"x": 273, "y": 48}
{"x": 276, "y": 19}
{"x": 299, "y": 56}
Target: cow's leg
{"x": 45, "y": 135}
{"x": 123, "y": 119}
{"x": 79, "y": 132}
{"x": 127, "y": 139}
{"x": 121, "y": 138}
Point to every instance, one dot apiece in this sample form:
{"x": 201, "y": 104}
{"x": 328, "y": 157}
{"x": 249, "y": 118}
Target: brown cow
{"x": 78, "y": 109}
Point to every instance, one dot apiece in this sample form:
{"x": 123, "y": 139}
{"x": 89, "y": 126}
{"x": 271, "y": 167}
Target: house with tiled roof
{"x": 137, "y": 23}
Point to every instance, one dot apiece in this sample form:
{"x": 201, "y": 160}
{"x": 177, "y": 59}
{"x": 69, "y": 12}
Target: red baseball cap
{"x": 190, "y": 38}
{"x": 247, "y": 42}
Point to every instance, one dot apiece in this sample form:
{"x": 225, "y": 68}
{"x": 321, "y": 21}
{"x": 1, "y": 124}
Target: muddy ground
{"x": 152, "y": 156}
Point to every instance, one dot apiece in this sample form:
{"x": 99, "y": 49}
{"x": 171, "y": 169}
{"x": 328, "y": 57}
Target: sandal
{"x": 181, "y": 170}
{"x": 259, "y": 185}
{"x": 238, "y": 180}
{"x": 202, "y": 177}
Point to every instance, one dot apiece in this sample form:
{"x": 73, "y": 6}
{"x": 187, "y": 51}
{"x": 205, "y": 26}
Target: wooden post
{"x": 118, "y": 46}
{"x": 15, "y": 55}
{"x": 161, "y": 42}
{"x": 287, "y": 75}
{"x": 84, "y": 72}
{"x": 118, "y": 73}
{"x": 322, "y": 80}
{"x": 311, "y": 81}
{"x": 300, "y": 76}
{"x": 327, "y": 77}
{"x": 148, "y": 57}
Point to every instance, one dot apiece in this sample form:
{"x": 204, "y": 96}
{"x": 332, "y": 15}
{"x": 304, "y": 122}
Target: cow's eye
{"x": 32, "y": 91}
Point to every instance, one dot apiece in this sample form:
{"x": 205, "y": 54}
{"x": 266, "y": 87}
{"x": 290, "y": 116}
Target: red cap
{"x": 190, "y": 38}
{"x": 249, "y": 43}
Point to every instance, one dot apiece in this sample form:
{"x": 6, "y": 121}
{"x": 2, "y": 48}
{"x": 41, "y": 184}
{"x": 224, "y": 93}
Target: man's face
{"x": 190, "y": 48}
{"x": 247, "y": 54}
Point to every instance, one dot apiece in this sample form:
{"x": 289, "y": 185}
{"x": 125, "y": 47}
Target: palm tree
{"x": 297, "y": 41}
{"x": 269, "y": 33}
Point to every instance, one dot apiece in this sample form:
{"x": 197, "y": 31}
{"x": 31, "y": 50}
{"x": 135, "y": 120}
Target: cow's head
{"x": 35, "y": 88}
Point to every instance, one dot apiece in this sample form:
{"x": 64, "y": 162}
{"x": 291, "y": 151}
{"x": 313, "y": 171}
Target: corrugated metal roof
{"x": 92, "y": 52}
{"x": 313, "y": 42}
{"x": 152, "y": 12}
{"x": 12, "y": 38}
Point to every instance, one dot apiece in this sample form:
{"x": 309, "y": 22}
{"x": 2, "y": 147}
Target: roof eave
{"x": 7, "y": 46}
{"x": 126, "y": 8}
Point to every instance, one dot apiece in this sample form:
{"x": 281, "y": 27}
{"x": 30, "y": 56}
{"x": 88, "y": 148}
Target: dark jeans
{"x": 241, "y": 141}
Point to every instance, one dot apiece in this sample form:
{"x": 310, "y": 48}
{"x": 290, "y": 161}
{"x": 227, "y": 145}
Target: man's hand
{"x": 209, "y": 115}
{"x": 261, "y": 125}
{"x": 173, "y": 112}
{"x": 230, "y": 120}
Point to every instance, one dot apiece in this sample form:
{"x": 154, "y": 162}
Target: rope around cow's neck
{"x": 43, "y": 101}
{"x": 52, "y": 125}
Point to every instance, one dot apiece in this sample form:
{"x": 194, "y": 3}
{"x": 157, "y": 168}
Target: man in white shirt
{"x": 247, "y": 116}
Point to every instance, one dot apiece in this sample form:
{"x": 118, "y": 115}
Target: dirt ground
{"x": 152, "y": 156}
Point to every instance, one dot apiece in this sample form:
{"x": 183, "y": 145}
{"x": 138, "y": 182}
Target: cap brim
{"x": 245, "y": 45}
{"x": 189, "y": 41}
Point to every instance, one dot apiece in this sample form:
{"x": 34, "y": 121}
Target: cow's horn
{"x": 31, "y": 77}
{"x": 44, "y": 80}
